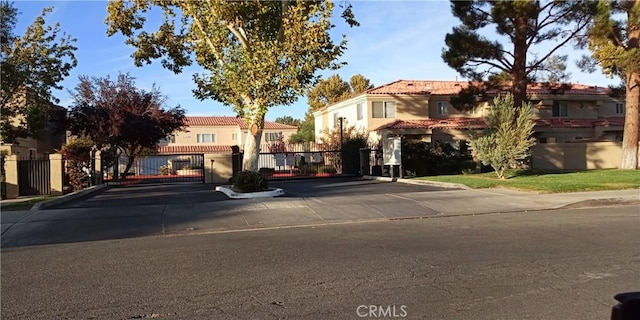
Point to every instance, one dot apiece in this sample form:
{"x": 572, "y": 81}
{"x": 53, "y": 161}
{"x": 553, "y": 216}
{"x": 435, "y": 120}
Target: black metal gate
{"x": 34, "y": 177}
{"x": 157, "y": 169}
{"x": 294, "y": 161}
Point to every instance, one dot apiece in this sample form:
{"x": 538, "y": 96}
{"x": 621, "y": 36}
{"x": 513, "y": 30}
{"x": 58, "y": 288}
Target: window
{"x": 359, "y": 108}
{"x": 560, "y": 109}
{"x": 385, "y": 109}
{"x": 442, "y": 107}
{"x": 336, "y": 121}
{"x": 272, "y": 136}
{"x": 206, "y": 138}
{"x": 542, "y": 140}
{"x": 234, "y": 136}
{"x": 620, "y": 108}
{"x": 169, "y": 139}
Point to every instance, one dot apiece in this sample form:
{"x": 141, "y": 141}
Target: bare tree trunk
{"x": 631, "y": 122}
{"x": 252, "y": 145}
{"x": 519, "y": 74}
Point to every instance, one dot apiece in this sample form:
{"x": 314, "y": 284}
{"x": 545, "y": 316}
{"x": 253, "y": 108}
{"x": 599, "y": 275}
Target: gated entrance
{"x": 34, "y": 177}
{"x": 157, "y": 169}
{"x": 282, "y": 162}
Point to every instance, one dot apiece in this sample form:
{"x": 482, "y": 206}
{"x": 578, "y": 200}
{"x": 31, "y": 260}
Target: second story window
{"x": 560, "y": 109}
{"x": 620, "y": 108}
{"x": 385, "y": 109}
{"x": 359, "y": 109}
{"x": 234, "y": 137}
{"x": 443, "y": 107}
{"x": 272, "y": 136}
{"x": 206, "y": 138}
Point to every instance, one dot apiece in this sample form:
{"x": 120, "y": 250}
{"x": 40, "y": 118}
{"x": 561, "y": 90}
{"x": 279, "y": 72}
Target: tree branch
{"x": 284, "y": 6}
{"x": 501, "y": 67}
{"x": 239, "y": 35}
{"x": 561, "y": 44}
{"x": 196, "y": 21}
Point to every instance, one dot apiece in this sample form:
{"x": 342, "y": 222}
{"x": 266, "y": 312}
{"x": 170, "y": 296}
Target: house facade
{"x": 49, "y": 142}
{"x": 422, "y": 110}
{"x": 216, "y": 134}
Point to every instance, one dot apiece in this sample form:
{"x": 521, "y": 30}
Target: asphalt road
{"x": 560, "y": 264}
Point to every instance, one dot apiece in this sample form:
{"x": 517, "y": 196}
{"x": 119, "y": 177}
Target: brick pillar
{"x": 99, "y": 175}
{"x": 11, "y": 176}
{"x": 218, "y": 168}
{"x": 57, "y": 174}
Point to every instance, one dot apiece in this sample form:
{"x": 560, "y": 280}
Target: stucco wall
{"x": 577, "y": 156}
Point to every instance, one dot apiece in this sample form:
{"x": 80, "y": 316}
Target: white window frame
{"x": 359, "y": 111}
{"x": 388, "y": 109}
{"x": 620, "y": 108}
{"x": 200, "y": 137}
{"x": 234, "y": 137}
{"x": 443, "y": 108}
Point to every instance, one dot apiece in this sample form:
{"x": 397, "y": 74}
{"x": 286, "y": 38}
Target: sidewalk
{"x": 382, "y": 202}
{"x": 290, "y": 212}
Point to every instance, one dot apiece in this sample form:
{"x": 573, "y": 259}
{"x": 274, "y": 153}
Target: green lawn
{"x": 549, "y": 181}
{"x": 23, "y": 205}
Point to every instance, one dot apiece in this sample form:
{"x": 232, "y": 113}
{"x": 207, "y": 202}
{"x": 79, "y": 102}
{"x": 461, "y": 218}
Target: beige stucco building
{"x": 211, "y": 134}
{"x": 419, "y": 109}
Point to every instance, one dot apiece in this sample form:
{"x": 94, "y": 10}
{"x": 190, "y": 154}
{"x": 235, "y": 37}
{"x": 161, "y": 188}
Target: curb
{"x": 67, "y": 197}
{"x": 250, "y": 195}
{"x": 605, "y": 202}
{"x": 421, "y": 182}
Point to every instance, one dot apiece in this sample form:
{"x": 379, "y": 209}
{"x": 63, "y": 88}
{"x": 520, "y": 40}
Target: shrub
{"x": 267, "y": 171}
{"x": 164, "y": 170}
{"x": 250, "y": 181}
{"x": 506, "y": 141}
{"x": 327, "y": 169}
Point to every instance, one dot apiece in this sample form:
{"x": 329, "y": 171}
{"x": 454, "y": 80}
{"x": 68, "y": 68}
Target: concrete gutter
{"x": 67, "y": 197}
{"x": 422, "y": 182}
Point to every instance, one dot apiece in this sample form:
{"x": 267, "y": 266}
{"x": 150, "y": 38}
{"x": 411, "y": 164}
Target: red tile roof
{"x": 231, "y": 121}
{"x": 478, "y": 123}
{"x": 194, "y": 149}
{"x": 426, "y": 87}
{"x": 451, "y": 123}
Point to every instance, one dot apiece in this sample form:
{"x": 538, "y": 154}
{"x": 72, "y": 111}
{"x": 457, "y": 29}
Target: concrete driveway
{"x": 155, "y": 210}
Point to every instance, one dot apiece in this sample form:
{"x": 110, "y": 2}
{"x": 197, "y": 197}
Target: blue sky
{"x": 395, "y": 40}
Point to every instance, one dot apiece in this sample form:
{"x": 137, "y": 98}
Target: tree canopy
{"x": 117, "y": 114}
{"x": 257, "y": 54}
{"x": 525, "y": 24}
{"x": 31, "y": 66}
{"x": 613, "y": 40}
{"x": 288, "y": 120}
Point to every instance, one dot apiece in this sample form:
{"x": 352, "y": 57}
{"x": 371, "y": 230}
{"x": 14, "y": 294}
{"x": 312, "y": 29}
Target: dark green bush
{"x": 426, "y": 159}
{"x": 267, "y": 171}
{"x": 250, "y": 181}
{"x": 327, "y": 169}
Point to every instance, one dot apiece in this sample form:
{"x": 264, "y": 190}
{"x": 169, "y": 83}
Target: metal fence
{"x": 157, "y": 169}
{"x": 290, "y": 161}
{"x": 34, "y": 176}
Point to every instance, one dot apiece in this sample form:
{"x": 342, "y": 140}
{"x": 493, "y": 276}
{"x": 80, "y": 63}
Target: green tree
{"x": 525, "y": 24}
{"x": 31, "y": 66}
{"x": 258, "y": 54}
{"x": 507, "y": 139}
{"x": 613, "y": 40}
{"x": 288, "y": 120}
{"x": 359, "y": 84}
{"x": 306, "y": 130}
{"x": 116, "y": 114}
